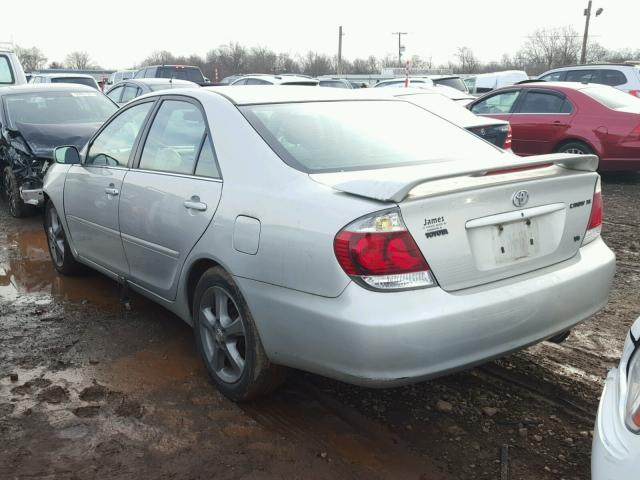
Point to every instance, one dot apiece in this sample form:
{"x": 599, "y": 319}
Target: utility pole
{"x": 400, "y": 47}
{"x": 585, "y": 39}
{"x": 340, "y": 35}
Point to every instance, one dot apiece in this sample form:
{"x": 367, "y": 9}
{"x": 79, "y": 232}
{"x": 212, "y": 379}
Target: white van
{"x": 485, "y": 82}
{"x": 11, "y": 72}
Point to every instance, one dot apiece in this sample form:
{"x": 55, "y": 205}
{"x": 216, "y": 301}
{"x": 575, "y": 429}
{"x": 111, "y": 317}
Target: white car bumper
{"x": 616, "y": 450}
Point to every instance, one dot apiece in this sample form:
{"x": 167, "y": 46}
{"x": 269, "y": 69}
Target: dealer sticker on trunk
{"x": 435, "y": 227}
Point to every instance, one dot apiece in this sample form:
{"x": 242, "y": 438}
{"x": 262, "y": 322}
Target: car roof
{"x": 592, "y": 65}
{"x": 46, "y": 87}
{"x": 550, "y": 85}
{"x": 159, "y": 81}
{"x": 258, "y": 94}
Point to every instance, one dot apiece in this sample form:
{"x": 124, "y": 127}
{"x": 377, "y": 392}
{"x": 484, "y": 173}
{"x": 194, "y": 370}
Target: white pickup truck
{"x": 11, "y": 72}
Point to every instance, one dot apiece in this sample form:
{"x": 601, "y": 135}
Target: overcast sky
{"x": 119, "y": 34}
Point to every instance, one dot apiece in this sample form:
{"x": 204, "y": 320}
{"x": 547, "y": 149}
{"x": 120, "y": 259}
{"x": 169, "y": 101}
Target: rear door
{"x": 92, "y": 189}
{"x": 540, "y": 121}
{"x": 168, "y": 201}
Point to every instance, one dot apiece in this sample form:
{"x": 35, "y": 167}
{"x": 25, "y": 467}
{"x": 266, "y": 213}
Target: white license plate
{"x": 515, "y": 241}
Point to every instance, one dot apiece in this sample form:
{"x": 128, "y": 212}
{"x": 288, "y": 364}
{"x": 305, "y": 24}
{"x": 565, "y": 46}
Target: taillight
{"x": 594, "y": 226}
{"x": 635, "y": 93}
{"x": 379, "y": 251}
{"x": 632, "y": 407}
{"x": 507, "y": 140}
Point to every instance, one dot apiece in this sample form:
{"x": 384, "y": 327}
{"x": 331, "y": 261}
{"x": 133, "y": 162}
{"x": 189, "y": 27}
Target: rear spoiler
{"x": 395, "y": 184}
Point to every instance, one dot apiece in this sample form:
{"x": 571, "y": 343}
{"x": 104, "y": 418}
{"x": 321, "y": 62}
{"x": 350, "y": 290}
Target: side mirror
{"x": 67, "y": 155}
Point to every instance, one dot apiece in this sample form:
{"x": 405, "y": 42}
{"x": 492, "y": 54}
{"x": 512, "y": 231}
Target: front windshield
{"x": 54, "y": 108}
{"x": 358, "y": 135}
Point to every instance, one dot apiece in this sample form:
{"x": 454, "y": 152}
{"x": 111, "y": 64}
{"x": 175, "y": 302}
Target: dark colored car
{"x": 571, "y": 118}
{"x": 34, "y": 120}
{"x": 180, "y": 72}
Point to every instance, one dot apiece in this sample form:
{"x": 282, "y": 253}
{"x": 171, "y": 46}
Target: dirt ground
{"x": 88, "y": 390}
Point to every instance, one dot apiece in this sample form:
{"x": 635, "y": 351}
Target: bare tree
{"x": 31, "y": 58}
{"x": 468, "y": 61}
{"x": 55, "y": 64}
{"x": 78, "y": 60}
{"x": 548, "y": 48}
{"x": 315, "y": 64}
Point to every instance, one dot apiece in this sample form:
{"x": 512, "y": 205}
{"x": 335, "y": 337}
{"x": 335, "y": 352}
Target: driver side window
{"x": 113, "y": 146}
{"x": 500, "y": 104}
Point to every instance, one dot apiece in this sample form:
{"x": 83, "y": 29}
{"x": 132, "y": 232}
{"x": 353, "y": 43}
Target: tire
{"x": 228, "y": 341}
{"x": 559, "y": 338}
{"x": 17, "y": 207}
{"x": 575, "y": 147}
{"x": 59, "y": 250}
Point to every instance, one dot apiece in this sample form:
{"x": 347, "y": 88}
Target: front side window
{"x": 499, "y": 104}
{"x": 175, "y": 138}
{"x": 112, "y": 147}
{"x": 359, "y": 135}
{"x": 540, "y": 102}
{"x": 6, "y": 73}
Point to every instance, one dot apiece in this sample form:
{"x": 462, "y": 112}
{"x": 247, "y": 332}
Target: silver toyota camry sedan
{"x": 367, "y": 240}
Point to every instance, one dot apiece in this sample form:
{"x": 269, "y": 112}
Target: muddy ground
{"x": 88, "y": 390}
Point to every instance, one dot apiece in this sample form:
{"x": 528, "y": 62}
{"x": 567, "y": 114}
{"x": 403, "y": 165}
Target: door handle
{"x": 195, "y": 204}
{"x": 111, "y": 191}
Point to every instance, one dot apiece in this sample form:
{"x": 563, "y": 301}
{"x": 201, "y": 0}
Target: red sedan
{"x": 551, "y": 117}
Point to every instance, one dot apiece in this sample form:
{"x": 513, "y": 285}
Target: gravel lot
{"x": 102, "y": 393}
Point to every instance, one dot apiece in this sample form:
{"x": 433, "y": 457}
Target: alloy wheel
{"x": 577, "y": 150}
{"x": 223, "y": 334}
{"x": 55, "y": 236}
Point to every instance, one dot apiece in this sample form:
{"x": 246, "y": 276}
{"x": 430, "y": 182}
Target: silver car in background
{"x": 127, "y": 90}
{"x": 367, "y": 240}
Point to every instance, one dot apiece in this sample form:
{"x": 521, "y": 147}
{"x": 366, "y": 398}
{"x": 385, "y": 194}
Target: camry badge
{"x": 520, "y": 198}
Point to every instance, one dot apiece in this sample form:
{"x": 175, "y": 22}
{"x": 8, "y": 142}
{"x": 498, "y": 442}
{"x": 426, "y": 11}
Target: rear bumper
{"x": 386, "y": 339}
{"x": 32, "y": 197}
{"x": 616, "y": 451}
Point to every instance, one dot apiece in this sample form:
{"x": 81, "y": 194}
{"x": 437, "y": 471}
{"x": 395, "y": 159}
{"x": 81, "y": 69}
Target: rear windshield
{"x": 359, "y": 135}
{"x": 302, "y": 83}
{"x": 57, "y": 108}
{"x": 89, "y": 82}
{"x": 6, "y": 74}
{"x": 192, "y": 74}
{"x": 456, "y": 83}
{"x": 612, "y": 98}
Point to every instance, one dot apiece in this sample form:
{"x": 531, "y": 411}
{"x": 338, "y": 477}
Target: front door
{"x": 169, "y": 200}
{"x": 499, "y": 105}
{"x": 92, "y": 190}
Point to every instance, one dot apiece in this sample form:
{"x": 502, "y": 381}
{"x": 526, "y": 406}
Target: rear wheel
{"x": 579, "y": 148}
{"x": 11, "y": 191}
{"x": 59, "y": 249}
{"x": 228, "y": 341}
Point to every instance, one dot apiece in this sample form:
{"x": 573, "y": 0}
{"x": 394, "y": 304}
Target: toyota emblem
{"x": 520, "y": 198}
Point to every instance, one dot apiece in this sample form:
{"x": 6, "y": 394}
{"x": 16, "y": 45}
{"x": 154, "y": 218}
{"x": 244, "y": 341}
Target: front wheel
{"x": 59, "y": 249}
{"x": 11, "y": 189}
{"x": 228, "y": 341}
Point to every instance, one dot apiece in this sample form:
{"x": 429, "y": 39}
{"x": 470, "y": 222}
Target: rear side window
{"x": 540, "y": 102}
{"x": 612, "y": 77}
{"x": 6, "y": 74}
{"x": 256, "y": 81}
{"x": 207, "y": 165}
{"x": 175, "y": 138}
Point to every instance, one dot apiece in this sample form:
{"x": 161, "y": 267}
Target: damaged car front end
{"x": 34, "y": 120}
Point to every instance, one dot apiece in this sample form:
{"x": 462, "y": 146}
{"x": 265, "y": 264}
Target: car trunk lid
{"x": 480, "y": 226}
